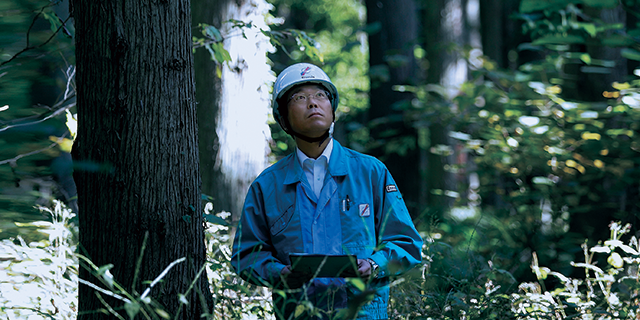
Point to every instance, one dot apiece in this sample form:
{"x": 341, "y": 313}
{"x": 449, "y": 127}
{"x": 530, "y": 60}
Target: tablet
{"x": 324, "y": 266}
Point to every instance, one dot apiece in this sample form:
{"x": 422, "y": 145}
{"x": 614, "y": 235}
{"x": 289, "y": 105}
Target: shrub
{"x": 40, "y": 279}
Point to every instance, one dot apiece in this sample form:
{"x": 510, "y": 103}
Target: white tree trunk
{"x": 243, "y": 132}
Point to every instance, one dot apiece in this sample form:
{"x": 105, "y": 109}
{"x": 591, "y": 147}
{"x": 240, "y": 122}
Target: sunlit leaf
{"x": 590, "y": 136}
{"x": 358, "y": 283}
{"x": 615, "y": 260}
{"x": 106, "y": 274}
{"x": 590, "y": 28}
{"x": 299, "y": 310}
{"x": 183, "y": 299}
{"x": 586, "y": 58}
{"x": 600, "y": 249}
{"x": 542, "y": 180}
{"x": 621, "y": 245}
{"x": 163, "y": 314}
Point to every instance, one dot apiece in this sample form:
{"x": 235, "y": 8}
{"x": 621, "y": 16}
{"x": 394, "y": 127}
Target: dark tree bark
{"x": 136, "y": 152}
{"x": 392, "y": 63}
{"x": 501, "y": 33}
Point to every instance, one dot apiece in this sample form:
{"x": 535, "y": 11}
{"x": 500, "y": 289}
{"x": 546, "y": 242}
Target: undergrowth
{"x": 40, "y": 280}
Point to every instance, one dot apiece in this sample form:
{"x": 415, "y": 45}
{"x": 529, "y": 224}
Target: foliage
{"x": 539, "y": 167}
{"x": 451, "y": 283}
{"x": 36, "y": 89}
{"x": 233, "y": 297}
{"x": 213, "y": 41}
{"x": 40, "y": 279}
{"x": 483, "y": 291}
{"x": 608, "y": 292}
{"x": 339, "y": 36}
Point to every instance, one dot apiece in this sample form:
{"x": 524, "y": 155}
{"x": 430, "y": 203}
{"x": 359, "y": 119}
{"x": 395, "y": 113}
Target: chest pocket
{"x": 282, "y": 221}
{"x": 358, "y": 227}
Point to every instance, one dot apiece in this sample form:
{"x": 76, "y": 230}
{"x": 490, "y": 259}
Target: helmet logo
{"x": 304, "y": 73}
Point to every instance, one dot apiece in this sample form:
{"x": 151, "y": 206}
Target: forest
{"x": 130, "y": 132}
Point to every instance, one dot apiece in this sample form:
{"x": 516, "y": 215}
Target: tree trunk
{"x": 445, "y": 34}
{"x": 392, "y": 63}
{"x": 232, "y": 111}
{"x": 136, "y": 153}
{"x": 501, "y": 33}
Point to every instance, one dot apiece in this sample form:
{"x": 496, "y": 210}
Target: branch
{"x": 27, "y": 48}
{"x": 55, "y": 113}
{"x": 20, "y": 156}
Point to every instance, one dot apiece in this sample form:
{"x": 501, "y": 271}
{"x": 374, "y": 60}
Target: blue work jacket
{"x": 359, "y": 212}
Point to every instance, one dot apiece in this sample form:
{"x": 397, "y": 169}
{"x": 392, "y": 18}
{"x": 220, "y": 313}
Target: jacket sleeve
{"x": 399, "y": 245}
{"x": 253, "y": 255}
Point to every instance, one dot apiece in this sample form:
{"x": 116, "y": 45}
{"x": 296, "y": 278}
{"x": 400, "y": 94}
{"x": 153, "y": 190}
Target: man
{"x": 323, "y": 199}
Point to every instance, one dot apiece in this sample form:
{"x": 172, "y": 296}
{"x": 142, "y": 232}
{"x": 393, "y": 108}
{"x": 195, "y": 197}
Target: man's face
{"x": 310, "y": 113}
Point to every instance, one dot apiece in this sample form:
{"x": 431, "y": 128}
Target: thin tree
{"x": 136, "y": 154}
{"x": 233, "y": 105}
{"x": 392, "y": 63}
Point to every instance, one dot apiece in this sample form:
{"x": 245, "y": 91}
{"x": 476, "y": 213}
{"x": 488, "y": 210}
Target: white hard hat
{"x": 298, "y": 74}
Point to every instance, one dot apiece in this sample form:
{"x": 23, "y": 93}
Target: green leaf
{"x": 299, "y": 310}
{"x": 186, "y": 218}
{"x": 630, "y": 54}
{"x": 527, "y": 6}
{"x": 163, "y": 314}
{"x": 590, "y": 28}
{"x": 215, "y": 220}
{"x": 211, "y": 32}
{"x": 358, "y": 283}
{"x": 220, "y": 54}
{"x": 282, "y": 146}
{"x": 53, "y": 20}
{"x": 206, "y": 197}
{"x": 132, "y": 308}
{"x": 106, "y": 275}
{"x": 586, "y": 58}
{"x": 559, "y": 39}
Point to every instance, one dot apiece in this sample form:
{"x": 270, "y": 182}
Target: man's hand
{"x": 294, "y": 280}
{"x": 364, "y": 269}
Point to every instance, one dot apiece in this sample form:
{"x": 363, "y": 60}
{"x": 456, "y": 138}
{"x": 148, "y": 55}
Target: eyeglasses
{"x": 302, "y": 98}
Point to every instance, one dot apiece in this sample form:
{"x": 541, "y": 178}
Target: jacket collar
{"x": 337, "y": 165}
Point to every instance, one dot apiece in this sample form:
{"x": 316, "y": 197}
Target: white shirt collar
{"x": 326, "y": 153}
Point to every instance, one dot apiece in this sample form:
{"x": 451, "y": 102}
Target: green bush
{"x": 453, "y": 282}
{"x": 40, "y": 279}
